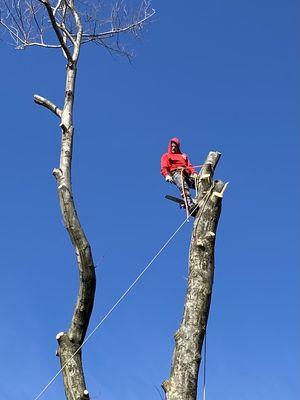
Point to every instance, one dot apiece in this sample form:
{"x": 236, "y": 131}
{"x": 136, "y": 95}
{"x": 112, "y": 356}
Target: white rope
{"x": 204, "y": 371}
{"x": 112, "y": 308}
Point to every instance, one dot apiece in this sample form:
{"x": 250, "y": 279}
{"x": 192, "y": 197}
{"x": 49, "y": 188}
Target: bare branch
{"x": 21, "y": 43}
{"x": 35, "y": 19}
{"x": 67, "y": 33}
{"x": 24, "y": 24}
{"x": 47, "y": 104}
{"x": 62, "y": 25}
{"x": 116, "y": 31}
{"x": 56, "y": 29}
{"x": 121, "y": 21}
{"x": 14, "y": 18}
{"x": 56, "y": 8}
{"x": 20, "y": 17}
{"x": 79, "y": 30}
{"x": 46, "y": 45}
{"x": 32, "y": 22}
{"x": 113, "y": 49}
{"x": 13, "y": 32}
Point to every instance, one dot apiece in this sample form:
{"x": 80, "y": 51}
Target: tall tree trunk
{"x": 70, "y": 341}
{"x": 182, "y": 383}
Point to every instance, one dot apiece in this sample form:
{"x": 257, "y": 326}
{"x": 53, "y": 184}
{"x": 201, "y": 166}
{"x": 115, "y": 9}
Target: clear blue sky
{"x": 221, "y": 75}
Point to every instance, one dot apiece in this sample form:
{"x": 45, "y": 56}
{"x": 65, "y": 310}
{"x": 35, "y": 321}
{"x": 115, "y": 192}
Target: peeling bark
{"x": 182, "y": 383}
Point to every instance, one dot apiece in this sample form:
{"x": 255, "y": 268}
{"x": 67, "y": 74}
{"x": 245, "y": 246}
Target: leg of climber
{"x": 180, "y": 181}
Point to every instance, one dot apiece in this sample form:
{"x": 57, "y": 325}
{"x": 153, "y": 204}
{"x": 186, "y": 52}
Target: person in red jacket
{"x": 177, "y": 169}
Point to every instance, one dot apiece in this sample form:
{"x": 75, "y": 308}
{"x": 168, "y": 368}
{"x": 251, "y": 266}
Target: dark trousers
{"x": 183, "y": 181}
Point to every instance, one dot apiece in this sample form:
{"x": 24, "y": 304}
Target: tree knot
{"x": 57, "y": 173}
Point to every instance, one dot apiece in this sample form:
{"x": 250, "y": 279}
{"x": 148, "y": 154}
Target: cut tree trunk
{"x": 182, "y": 383}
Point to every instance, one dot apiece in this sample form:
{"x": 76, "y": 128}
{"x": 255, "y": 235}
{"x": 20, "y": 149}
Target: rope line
{"x": 184, "y": 194}
{"x": 204, "y": 370}
{"x": 113, "y": 307}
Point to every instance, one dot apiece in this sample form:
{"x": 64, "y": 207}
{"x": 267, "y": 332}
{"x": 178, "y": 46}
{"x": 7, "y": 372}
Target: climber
{"x": 177, "y": 169}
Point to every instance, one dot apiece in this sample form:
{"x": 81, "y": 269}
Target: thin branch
{"x": 79, "y": 31}
{"x": 35, "y": 19}
{"x": 20, "y": 17}
{"x": 13, "y": 18}
{"x": 63, "y": 19}
{"x": 116, "y": 31}
{"x": 55, "y": 9}
{"x": 39, "y": 44}
{"x": 11, "y": 32}
{"x": 111, "y": 49}
{"x": 47, "y": 104}
{"x": 27, "y": 22}
{"x": 23, "y": 42}
{"x": 67, "y": 33}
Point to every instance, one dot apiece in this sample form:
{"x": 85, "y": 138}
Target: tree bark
{"x": 73, "y": 24}
{"x": 70, "y": 342}
{"x": 182, "y": 383}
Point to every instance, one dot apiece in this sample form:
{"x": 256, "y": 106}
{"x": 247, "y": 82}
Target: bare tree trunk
{"x": 182, "y": 383}
{"x": 68, "y": 25}
{"x": 70, "y": 341}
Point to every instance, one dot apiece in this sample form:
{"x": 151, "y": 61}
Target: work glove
{"x": 168, "y": 178}
{"x": 194, "y": 175}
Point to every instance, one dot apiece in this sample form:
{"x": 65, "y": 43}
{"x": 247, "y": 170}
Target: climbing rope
{"x": 204, "y": 370}
{"x": 196, "y": 186}
{"x": 113, "y": 307}
{"x": 182, "y": 169}
{"x": 184, "y": 193}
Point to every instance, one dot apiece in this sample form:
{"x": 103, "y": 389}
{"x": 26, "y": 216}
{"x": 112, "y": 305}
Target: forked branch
{"x": 31, "y": 23}
{"x": 57, "y": 29}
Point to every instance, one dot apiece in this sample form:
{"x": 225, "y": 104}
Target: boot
{"x": 193, "y": 207}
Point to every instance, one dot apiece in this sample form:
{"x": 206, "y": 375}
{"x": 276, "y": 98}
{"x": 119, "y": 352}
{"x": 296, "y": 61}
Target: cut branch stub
{"x": 47, "y": 104}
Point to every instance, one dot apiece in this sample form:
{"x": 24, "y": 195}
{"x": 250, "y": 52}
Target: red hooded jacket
{"x": 171, "y": 161}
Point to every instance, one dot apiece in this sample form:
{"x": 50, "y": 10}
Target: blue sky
{"x": 221, "y": 75}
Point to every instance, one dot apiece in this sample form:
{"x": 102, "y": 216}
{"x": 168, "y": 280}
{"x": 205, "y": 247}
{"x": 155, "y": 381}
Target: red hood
{"x": 177, "y": 141}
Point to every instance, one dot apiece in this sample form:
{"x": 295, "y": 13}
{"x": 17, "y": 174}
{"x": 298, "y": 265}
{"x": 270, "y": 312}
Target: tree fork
{"x": 182, "y": 383}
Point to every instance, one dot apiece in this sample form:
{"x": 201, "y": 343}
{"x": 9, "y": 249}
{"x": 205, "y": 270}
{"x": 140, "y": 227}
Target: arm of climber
{"x": 189, "y": 168}
{"x": 165, "y": 165}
